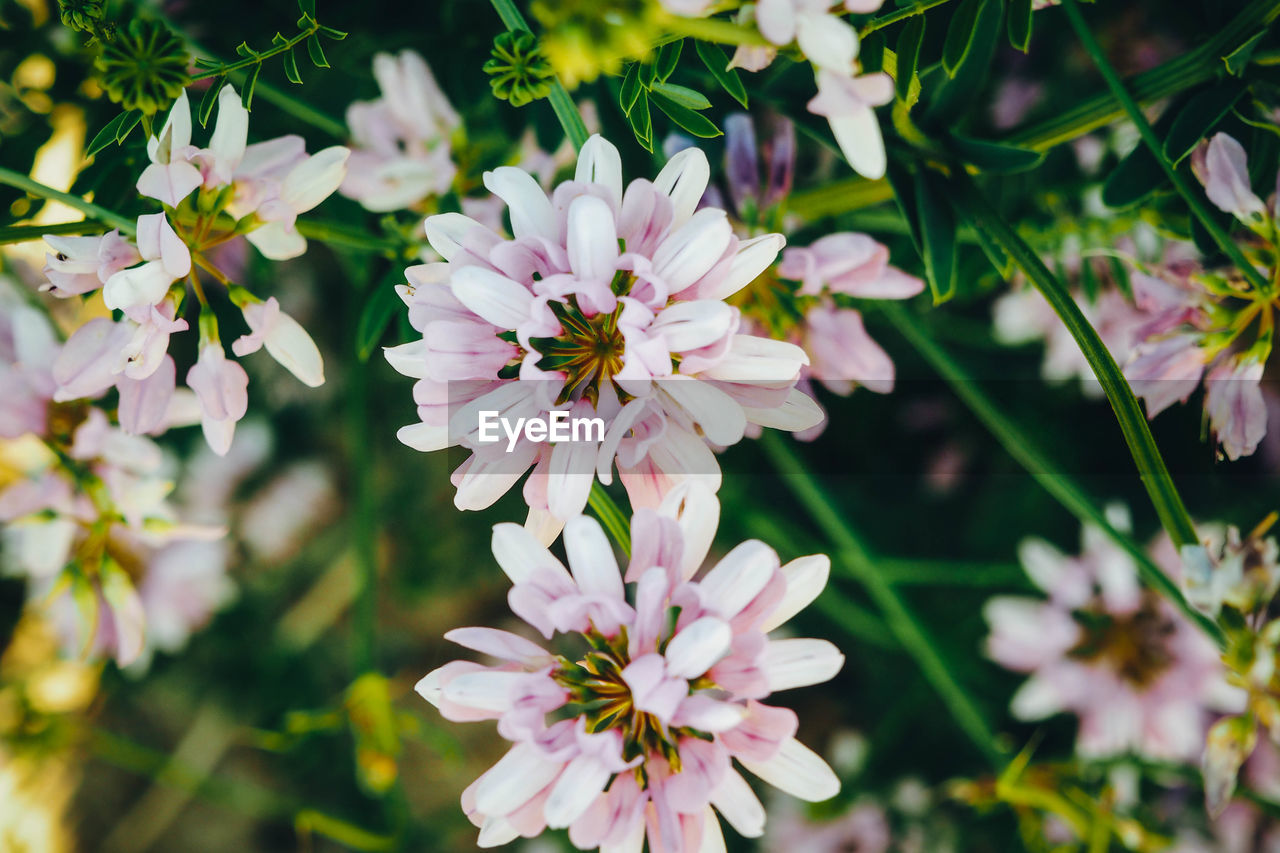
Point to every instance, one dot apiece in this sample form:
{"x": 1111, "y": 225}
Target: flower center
{"x": 1134, "y": 646}
{"x": 771, "y": 303}
{"x": 589, "y": 351}
{"x": 602, "y": 697}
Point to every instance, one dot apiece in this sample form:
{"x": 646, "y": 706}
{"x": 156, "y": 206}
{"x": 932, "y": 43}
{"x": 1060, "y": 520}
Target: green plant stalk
{"x": 31, "y": 233}
{"x": 905, "y": 627}
{"x": 900, "y": 15}
{"x": 1193, "y": 198}
{"x": 88, "y": 208}
{"x": 258, "y": 58}
{"x": 565, "y": 109}
{"x": 610, "y": 515}
{"x": 973, "y": 205}
{"x": 1018, "y": 444}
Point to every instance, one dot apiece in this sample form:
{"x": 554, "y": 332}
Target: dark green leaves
{"x": 960, "y": 35}
{"x": 377, "y": 314}
{"x": 1199, "y": 116}
{"x": 995, "y": 157}
{"x": 718, "y": 64}
{"x": 668, "y": 58}
{"x": 908, "y": 52}
{"x": 932, "y": 224}
{"x": 290, "y": 61}
{"x": 647, "y": 84}
{"x": 316, "y": 52}
{"x": 1237, "y": 59}
{"x": 949, "y": 91}
{"x": 117, "y": 130}
{"x": 210, "y": 98}
{"x": 684, "y": 117}
{"x": 1019, "y": 21}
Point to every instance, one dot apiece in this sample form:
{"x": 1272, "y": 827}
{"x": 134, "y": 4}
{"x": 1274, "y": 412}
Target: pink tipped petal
{"x": 495, "y": 298}
{"x": 800, "y": 662}
{"x": 517, "y": 777}
{"x": 600, "y": 163}
{"x": 591, "y": 558}
{"x": 797, "y": 770}
{"x": 739, "y": 577}
{"x": 530, "y": 209}
{"x": 144, "y": 403}
{"x": 520, "y": 555}
{"x": 806, "y": 577}
{"x": 684, "y": 179}
{"x": 697, "y": 647}
{"x": 739, "y": 805}
{"x": 592, "y": 239}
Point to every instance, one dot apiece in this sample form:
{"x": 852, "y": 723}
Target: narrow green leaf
{"x": 642, "y": 123}
{"x": 243, "y": 49}
{"x": 908, "y": 53}
{"x": 648, "y": 74}
{"x": 1237, "y": 59}
{"x": 316, "y": 52}
{"x": 871, "y": 52}
{"x": 291, "y": 67}
{"x": 938, "y": 235}
{"x": 1199, "y": 116}
{"x": 682, "y": 95}
{"x": 336, "y": 35}
{"x": 996, "y": 157}
{"x": 717, "y": 63}
{"x": 1139, "y": 174}
{"x": 685, "y": 118}
{"x": 206, "y": 62}
{"x": 904, "y": 195}
{"x": 131, "y": 121}
{"x": 250, "y": 83}
{"x": 668, "y": 57}
{"x": 106, "y": 136}
{"x": 308, "y": 8}
{"x": 1019, "y": 22}
{"x": 998, "y": 257}
{"x": 949, "y": 97}
{"x": 376, "y": 316}
{"x": 210, "y": 98}
{"x": 631, "y": 88}
{"x": 960, "y": 35}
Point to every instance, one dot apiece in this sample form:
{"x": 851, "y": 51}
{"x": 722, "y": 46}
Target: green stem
{"x": 1018, "y": 444}
{"x": 1193, "y": 197}
{"x": 902, "y": 622}
{"x": 611, "y": 516}
{"x": 973, "y": 205}
{"x": 899, "y": 15}
{"x": 31, "y": 233}
{"x": 88, "y": 208}
{"x": 565, "y": 109}
{"x": 258, "y": 58}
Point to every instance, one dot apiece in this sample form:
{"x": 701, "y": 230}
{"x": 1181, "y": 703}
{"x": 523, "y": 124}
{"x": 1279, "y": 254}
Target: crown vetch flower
{"x": 606, "y": 301}
{"x": 632, "y": 730}
{"x": 1140, "y": 677}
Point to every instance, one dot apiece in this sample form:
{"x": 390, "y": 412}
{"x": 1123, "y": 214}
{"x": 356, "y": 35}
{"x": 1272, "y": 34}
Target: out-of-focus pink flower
{"x": 144, "y": 403}
{"x": 1233, "y": 401}
{"x": 222, "y": 387}
{"x": 1136, "y": 673}
{"x": 848, "y": 263}
{"x": 1165, "y": 371}
{"x": 82, "y": 264}
{"x": 848, "y": 103}
{"x": 635, "y": 736}
{"x": 401, "y": 142}
{"x": 1221, "y": 165}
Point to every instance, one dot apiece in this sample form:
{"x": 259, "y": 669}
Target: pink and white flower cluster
{"x": 401, "y": 143}
{"x": 632, "y": 731}
{"x": 846, "y": 98}
{"x": 1139, "y": 676}
{"x": 259, "y": 190}
{"x": 608, "y": 301}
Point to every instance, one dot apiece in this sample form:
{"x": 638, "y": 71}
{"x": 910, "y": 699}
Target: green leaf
{"x": 631, "y": 88}
{"x": 996, "y": 157}
{"x": 648, "y": 74}
{"x": 937, "y": 235}
{"x": 377, "y": 315}
{"x": 998, "y": 257}
{"x": 949, "y": 97}
{"x": 908, "y": 53}
{"x": 131, "y": 121}
{"x": 308, "y": 8}
{"x": 717, "y": 63}
{"x": 291, "y": 67}
{"x": 642, "y": 123}
{"x": 1199, "y": 116}
{"x": 250, "y": 83}
{"x": 1237, "y": 59}
{"x": 243, "y": 49}
{"x": 960, "y": 35}
{"x": 682, "y": 95}
{"x": 904, "y": 195}
{"x": 106, "y": 136}
{"x": 210, "y": 98}
{"x": 668, "y": 57}
{"x": 1019, "y": 22}
{"x": 336, "y": 35}
{"x": 871, "y": 52}
{"x": 1139, "y": 174}
{"x": 685, "y": 118}
{"x": 316, "y": 52}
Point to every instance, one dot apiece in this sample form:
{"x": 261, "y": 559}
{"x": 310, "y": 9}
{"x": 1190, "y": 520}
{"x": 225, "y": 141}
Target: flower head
{"x": 144, "y": 67}
{"x": 606, "y": 302}
{"x": 633, "y": 729}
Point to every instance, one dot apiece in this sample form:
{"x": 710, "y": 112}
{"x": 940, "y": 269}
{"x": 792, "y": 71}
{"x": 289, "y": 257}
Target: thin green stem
{"x": 899, "y": 15}
{"x": 258, "y": 58}
{"x": 1019, "y": 444}
{"x": 88, "y": 208}
{"x": 974, "y": 206}
{"x": 31, "y": 233}
{"x": 902, "y": 622}
{"x": 565, "y": 109}
{"x": 1192, "y": 196}
{"x": 610, "y": 515}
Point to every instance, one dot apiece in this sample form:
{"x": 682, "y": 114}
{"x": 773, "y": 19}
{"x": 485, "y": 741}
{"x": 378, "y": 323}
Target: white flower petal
{"x": 449, "y": 232}
{"x": 485, "y": 690}
{"x": 696, "y": 509}
{"x": 719, "y": 415}
{"x": 290, "y": 345}
{"x": 806, "y": 577}
{"x": 530, "y": 209}
{"x": 799, "y": 663}
{"x": 424, "y": 437}
{"x": 739, "y": 805}
{"x": 858, "y": 134}
{"x": 408, "y": 359}
{"x": 581, "y": 782}
{"x": 599, "y": 162}
{"x": 277, "y": 242}
{"x": 315, "y": 179}
{"x": 753, "y": 257}
{"x": 592, "y": 239}
{"x": 798, "y": 771}
{"x": 492, "y": 296}
{"x": 797, "y": 413}
{"x": 753, "y": 359}
{"x": 230, "y": 134}
{"x": 514, "y": 780}
{"x": 712, "y": 837}
{"x": 697, "y": 647}
{"x": 739, "y": 577}
{"x": 684, "y": 179}
{"x": 591, "y": 559}
{"x": 690, "y": 251}
{"x": 520, "y": 555}
{"x": 688, "y": 326}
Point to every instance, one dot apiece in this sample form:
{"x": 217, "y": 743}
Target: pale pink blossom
{"x": 848, "y": 103}
{"x": 606, "y": 303}
{"x": 1139, "y": 676}
{"x": 1221, "y": 165}
{"x": 635, "y": 735}
{"x": 1233, "y": 401}
{"x": 222, "y": 387}
{"x": 171, "y": 177}
{"x": 401, "y": 151}
{"x": 144, "y": 403}
{"x": 79, "y": 265}
{"x": 166, "y": 259}
{"x": 285, "y": 339}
